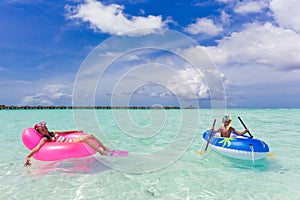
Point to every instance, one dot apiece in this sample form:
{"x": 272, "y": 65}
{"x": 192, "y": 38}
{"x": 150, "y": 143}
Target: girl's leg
{"x": 87, "y": 139}
{"x": 91, "y": 144}
{"x": 98, "y": 141}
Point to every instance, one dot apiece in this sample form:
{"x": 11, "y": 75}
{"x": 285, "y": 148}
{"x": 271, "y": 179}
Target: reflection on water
{"x": 264, "y": 165}
{"x": 86, "y": 165}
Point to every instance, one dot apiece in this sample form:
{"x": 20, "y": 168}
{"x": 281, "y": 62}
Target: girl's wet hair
{"x": 40, "y": 124}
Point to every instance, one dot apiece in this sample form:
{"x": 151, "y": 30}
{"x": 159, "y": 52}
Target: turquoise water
{"x": 163, "y": 162}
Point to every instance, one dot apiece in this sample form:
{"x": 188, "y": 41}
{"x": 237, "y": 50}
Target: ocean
{"x": 163, "y": 162}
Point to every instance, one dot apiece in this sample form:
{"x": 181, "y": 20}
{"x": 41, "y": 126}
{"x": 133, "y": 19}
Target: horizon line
{"x": 64, "y": 107}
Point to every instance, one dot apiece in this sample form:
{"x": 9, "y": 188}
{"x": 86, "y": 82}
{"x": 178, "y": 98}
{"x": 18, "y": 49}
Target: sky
{"x": 150, "y": 52}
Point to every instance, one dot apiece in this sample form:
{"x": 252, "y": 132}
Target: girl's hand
{"x": 28, "y": 162}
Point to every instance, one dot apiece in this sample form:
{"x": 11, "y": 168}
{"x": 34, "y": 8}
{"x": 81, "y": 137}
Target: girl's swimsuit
{"x": 57, "y": 138}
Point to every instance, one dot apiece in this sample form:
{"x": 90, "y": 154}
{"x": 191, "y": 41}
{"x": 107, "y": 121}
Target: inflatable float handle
{"x": 211, "y": 131}
{"x": 245, "y": 126}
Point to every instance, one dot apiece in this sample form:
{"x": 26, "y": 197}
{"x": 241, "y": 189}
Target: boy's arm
{"x": 217, "y": 130}
{"x": 240, "y": 132}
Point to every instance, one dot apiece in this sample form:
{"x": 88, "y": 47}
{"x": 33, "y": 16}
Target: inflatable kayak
{"x": 237, "y": 146}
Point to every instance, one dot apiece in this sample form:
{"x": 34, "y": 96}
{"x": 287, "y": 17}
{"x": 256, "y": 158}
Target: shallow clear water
{"x": 163, "y": 162}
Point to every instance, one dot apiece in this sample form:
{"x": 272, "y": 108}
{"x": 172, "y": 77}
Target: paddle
{"x": 271, "y": 155}
{"x": 211, "y": 131}
{"x": 245, "y": 126}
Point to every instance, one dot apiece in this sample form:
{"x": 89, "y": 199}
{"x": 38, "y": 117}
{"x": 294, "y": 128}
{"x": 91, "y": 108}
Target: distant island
{"x": 4, "y": 107}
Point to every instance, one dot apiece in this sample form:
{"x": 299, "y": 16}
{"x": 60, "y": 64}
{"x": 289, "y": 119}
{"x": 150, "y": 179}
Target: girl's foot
{"x": 108, "y": 153}
{"x": 102, "y": 152}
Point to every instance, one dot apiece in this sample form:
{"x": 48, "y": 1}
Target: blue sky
{"x": 255, "y": 46}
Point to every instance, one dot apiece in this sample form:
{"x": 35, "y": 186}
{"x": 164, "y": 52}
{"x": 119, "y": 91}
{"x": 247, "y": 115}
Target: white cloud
{"x": 225, "y": 17}
{"x": 286, "y": 13}
{"x": 194, "y": 87}
{"x": 23, "y": 82}
{"x": 49, "y": 95}
{"x": 246, "y": 7}
{"x": 204, "y": 26}
{"x": 112, "y": 19}
{"x": 185, "y": 83}
{"x": 259, "y": 44}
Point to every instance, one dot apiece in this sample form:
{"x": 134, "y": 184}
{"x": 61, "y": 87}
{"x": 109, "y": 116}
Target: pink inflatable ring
{"x": 56, "y": 150}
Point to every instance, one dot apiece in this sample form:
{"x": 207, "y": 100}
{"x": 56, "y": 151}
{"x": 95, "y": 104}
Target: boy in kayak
{"x": 57, "y": 137}
{"x": 227, "y": 129}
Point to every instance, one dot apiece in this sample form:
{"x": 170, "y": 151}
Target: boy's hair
{"x": 227, "y": 118}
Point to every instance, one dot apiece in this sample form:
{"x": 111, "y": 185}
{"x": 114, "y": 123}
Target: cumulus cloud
{"x": 286, "y": 13}
{"x": 187, "y": 84}
{"x": 111, "y": 18}
{"x": 154, "y": 90}
{"x": 246, "y": 7}
{"x": 49, "y": 95}
{"x": 204, "y": 26}
{"x": 263, "y": 44}
{"x": 225, "y": 17}
{"x": 195, "y": 87}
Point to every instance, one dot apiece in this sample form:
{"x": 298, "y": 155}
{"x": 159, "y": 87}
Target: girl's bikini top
{"x": 50, "y": 136}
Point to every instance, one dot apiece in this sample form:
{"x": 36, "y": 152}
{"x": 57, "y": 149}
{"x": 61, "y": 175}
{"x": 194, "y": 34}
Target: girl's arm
{"x": 33, "y": 151}
{"x": 68, "y": 132}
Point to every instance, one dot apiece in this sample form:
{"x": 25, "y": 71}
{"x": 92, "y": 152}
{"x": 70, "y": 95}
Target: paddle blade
{"x": 271, "y": 155}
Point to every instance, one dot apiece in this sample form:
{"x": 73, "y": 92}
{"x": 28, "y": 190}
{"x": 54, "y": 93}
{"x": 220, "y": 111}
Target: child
{"x": 57, "y": 137}
{"x": 227, "y": 129}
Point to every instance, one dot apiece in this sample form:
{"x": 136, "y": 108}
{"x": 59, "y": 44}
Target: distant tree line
{"x": 4, "y": 107}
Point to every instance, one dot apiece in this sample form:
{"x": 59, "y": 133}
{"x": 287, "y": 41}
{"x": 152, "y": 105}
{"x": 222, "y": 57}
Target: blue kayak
{"x": 237, "y": 146}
